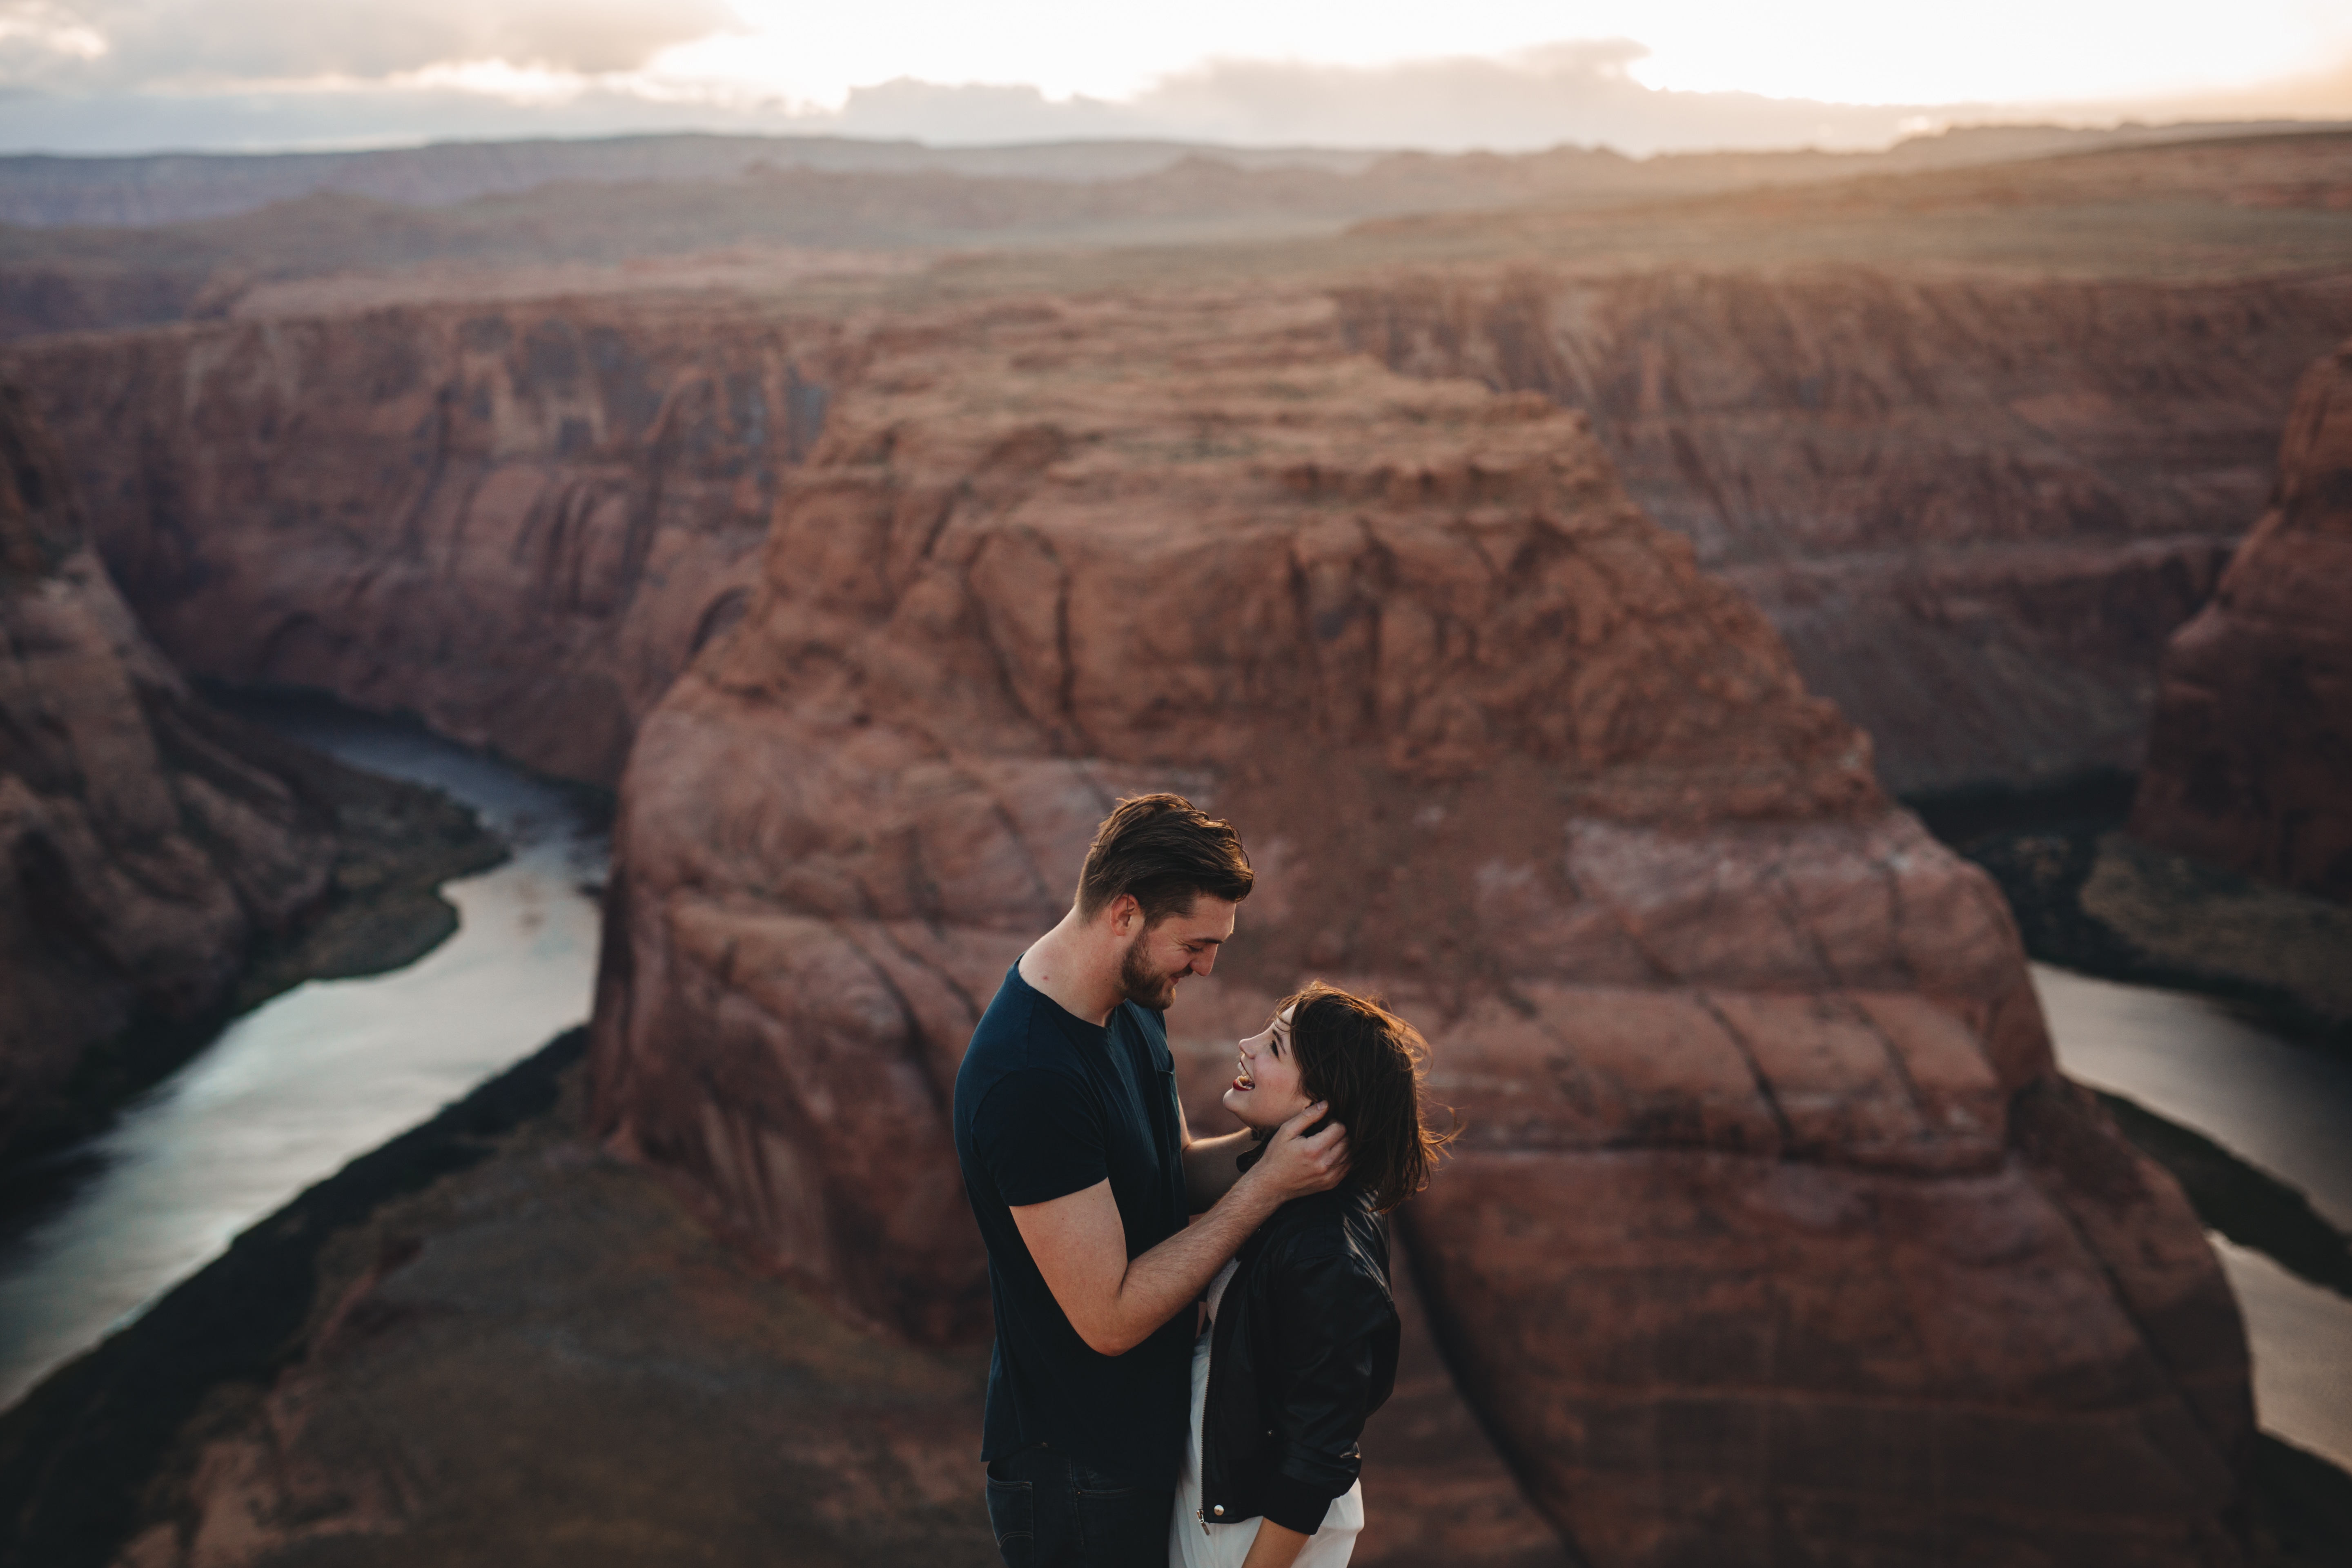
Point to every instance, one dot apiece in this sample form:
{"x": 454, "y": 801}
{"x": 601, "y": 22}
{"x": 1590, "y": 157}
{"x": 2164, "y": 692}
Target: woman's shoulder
{"x": 1329, "y": 1267}
{"x": 1335, "y": 1226}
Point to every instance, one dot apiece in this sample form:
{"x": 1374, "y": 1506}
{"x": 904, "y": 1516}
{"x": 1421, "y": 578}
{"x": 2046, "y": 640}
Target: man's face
{"x": 1180, "y": 944}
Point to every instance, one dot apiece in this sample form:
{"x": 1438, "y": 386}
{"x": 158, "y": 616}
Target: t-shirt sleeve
{"x": 1039, "y": 1136}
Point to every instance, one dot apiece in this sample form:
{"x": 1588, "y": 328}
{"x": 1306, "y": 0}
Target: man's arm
{"x": 1210, "y": 1165}
{"x": 1115, "y": 1302}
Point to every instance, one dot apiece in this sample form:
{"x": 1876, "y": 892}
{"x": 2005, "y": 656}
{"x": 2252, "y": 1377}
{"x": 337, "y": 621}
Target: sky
{"x": 142, "y": 75}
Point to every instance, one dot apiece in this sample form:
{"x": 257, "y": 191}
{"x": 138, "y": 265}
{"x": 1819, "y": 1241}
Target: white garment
{"x": 1193, "y": 1544}
{"x": 1217, "y": 1286}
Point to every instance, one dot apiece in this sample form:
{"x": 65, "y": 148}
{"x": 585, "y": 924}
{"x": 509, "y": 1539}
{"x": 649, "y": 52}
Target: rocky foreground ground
{"x": 491, "y": 1344}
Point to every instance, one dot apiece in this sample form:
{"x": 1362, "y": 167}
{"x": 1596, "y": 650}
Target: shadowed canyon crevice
{"x": 145, "y": 842}
{"x": 1974, "y": 506}
{"x": 1773, "y": 1229}
{"x": 2250, "y": 765}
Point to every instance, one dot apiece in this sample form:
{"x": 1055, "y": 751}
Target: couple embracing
{"x": 1190, "y": 1332}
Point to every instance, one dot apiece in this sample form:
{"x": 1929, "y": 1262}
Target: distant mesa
{"x": 102, "y": 243}
{"x": 146, "y": 190}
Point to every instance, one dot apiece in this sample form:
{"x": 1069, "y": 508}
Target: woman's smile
{"x": 1267, "y": 1091}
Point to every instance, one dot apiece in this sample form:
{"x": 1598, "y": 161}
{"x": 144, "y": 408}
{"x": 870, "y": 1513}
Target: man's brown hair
{"x": 1367, "y": 1064}
{"x": 1166, "y": 852}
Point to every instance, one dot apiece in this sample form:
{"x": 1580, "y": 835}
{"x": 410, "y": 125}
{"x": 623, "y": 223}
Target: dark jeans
{"x": 1047, "y": 1512}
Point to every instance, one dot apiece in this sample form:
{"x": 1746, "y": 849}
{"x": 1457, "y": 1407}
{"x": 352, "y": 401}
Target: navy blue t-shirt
{"x": 1047, "y": 1104}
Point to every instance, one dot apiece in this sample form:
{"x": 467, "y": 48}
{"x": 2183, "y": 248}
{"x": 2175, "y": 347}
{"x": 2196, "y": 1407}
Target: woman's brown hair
{"x": 1368, "y": 1065}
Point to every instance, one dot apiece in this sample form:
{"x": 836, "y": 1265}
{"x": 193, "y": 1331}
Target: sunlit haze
{"x": 120, "y": 74}
{"x": 1846, "y": 51}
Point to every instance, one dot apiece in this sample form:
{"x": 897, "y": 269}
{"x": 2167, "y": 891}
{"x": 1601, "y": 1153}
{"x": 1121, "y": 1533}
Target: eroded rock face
{"x": 2249, "y": 763}
{"x": 141, "y": 850}
{"x": 1773, "y": 1231}
{"x": 517, "y": 522}
{"x": 1974, "y": 507}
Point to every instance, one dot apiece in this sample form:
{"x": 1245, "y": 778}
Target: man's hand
{"x": 1114, "y": 1302}
{"x": 1295, "y": 1165}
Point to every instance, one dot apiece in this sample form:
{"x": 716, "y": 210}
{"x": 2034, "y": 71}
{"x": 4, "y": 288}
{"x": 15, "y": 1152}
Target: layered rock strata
{"x": 1974, "y": 507}
{"x": 1773, "y": 1233}
{"x": 2249, "y": 762}
{"x": 143, "y": 846}
{"x": 517, "y": 522}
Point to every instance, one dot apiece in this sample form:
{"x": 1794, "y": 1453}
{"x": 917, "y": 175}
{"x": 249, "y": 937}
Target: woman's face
{"x": 1266, "y": 1092}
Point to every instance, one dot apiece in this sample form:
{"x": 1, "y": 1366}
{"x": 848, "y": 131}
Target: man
{"x": 1082, "y": 1171}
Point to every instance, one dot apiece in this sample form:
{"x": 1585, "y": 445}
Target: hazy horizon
{"x": 147, "y": 76}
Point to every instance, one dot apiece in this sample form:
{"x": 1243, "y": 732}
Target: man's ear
{"x": 1126, "y": 914}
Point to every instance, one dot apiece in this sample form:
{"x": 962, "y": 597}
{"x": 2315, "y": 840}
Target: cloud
{"x": 1580, "y": 92}
{"x": 136, "y": 75}
{"x": 2320, "y": 94}
{"x": 974, "y": 114}
{"x": 151, "y": 45}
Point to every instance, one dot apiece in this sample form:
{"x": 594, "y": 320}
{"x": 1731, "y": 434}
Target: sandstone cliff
{"x": 142, "y": 847}
{"x": 517, "y": 522}
{"x": 1974, "y": 506}
{"x": 1774, "y": 1233}
{"x": 2249, "y": 763}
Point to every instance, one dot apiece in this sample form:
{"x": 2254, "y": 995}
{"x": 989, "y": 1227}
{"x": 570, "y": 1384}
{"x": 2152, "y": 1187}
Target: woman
{"x": 1301, "y": 1344}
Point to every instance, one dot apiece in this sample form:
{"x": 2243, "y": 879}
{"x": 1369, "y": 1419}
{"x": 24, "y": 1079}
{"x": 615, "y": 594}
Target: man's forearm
{"x": 1211, "y": 1168}
{"x": 1171, "y": 1275}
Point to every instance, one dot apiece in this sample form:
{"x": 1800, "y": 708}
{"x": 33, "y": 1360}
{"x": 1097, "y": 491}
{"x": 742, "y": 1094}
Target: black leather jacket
{"x": 1303, "y": 1350}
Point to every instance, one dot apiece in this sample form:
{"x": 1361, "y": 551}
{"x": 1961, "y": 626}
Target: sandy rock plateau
{"x": 1773, "y": 1232}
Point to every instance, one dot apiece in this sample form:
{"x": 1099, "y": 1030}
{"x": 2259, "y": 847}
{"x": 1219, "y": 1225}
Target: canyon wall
{"x": 2249, "y": 763}
{"x": 517, "y": 522}
{"x": 1975, "y": 507}
{"x": 1773, "y": 1234}
{"x": 143, "y": 846}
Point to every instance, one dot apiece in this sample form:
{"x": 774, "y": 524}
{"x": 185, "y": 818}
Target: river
{"x": 292, "y": 1091}
{"x": 2284, "y": 1108}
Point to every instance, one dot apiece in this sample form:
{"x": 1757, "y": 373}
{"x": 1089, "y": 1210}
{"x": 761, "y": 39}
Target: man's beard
{"x": 1144, "y": 986}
